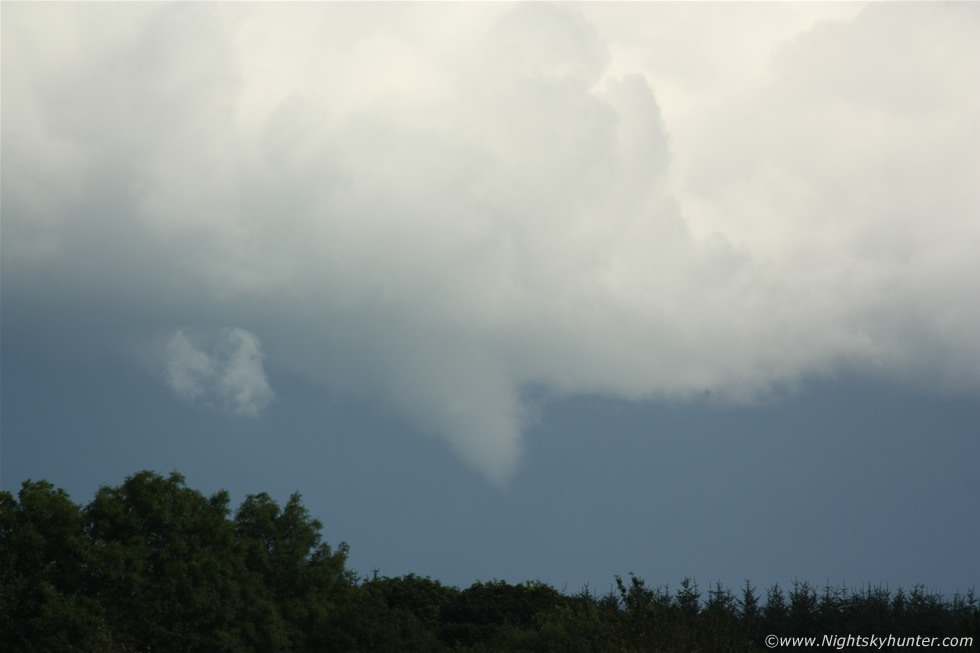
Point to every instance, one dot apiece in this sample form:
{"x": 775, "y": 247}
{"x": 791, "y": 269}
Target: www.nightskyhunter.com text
{"x": 877, "y": 642}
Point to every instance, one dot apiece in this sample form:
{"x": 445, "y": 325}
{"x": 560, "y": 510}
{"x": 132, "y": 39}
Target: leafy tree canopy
{"x": 152, "y": 565}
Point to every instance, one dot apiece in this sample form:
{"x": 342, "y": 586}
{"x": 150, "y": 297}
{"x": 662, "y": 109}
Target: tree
{"x": 829, "y": 607}
{"x": 748, "y": 607}
{"x": 719, "y": 628}
{"x": 774, "y": 613}
{"x": 163, "y": 564}
{"x": 480, "y": 611}
{"x": 688, "y": 599}
{"x": 43, "y": 557}
{"x": 154, "y": 565}
{"x": 293, "y": 582}
{"x": 803, "y": 609}
{"x": 427, "y": 599}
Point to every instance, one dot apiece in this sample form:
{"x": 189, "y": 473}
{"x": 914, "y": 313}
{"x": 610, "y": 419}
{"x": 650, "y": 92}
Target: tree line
{"x": 152, "y": 565}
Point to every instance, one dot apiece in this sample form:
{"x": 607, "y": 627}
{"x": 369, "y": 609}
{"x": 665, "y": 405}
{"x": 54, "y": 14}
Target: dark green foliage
{"x": 803, "y": 610}
{"x": 292, "y": 584}
{"x": 162, "y": 564}
{"x": 479, "y": 613}
{"x": 394, "y": 614}
{"x": 829, "y": 607}
{"x": 775, "y": 614}
{"x": 43, "y": 557}
{"x": 748, "y": 610}
{"x": 152, "y": 565}
{"x": 427, "y": 600}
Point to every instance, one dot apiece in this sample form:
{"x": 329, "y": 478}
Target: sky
{"x": 514, "y": 291}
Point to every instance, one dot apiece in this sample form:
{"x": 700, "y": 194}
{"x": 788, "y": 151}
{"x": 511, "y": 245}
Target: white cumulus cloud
{"x": 230, "y": 372}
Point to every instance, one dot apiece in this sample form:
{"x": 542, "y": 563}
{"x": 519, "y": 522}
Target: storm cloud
{"x": 442, "y": 207}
